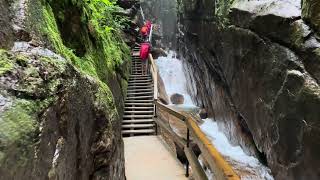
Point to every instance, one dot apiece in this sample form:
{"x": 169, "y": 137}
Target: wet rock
{"x": 157, "y": 52}
{"x": 177, "y": 98}
{"x": 311, "y": 13}
{"x": 203, "y": 113}
{"x": 6, "y": 31}
{"x": 163, "y": 96}
{"x": 259, "y": 78}
{"x": 280, "y": 22}
{"x": 55, "y": 122}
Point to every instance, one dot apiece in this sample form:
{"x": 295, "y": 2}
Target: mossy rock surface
{"x": 45, "y": 101}
{"x": 311, "y": 13}
{"x": 62, "y": 91}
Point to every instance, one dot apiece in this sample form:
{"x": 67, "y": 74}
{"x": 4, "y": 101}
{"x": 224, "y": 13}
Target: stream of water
{"x": 248, "y": 167}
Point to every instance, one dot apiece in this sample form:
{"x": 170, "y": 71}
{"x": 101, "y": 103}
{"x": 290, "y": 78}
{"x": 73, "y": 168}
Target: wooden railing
{"x": 154, "y": 73}
{"x": 217, "y": 164}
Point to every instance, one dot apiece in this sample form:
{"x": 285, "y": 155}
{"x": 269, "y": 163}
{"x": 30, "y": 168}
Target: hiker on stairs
{"x": 145, "y": 30}
{"x": 144, "y": 53}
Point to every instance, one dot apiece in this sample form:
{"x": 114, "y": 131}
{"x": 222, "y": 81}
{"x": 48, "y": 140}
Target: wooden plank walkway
{"x": 148, "y": 158}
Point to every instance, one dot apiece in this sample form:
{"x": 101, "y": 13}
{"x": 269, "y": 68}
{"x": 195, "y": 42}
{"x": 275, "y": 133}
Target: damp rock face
{"x": 60, "y": 109}
{"x": 311, "y": 13}
{"x": 6, "y": 35}
{"x": 55, "y": 122}
{"x": 255, "y": 67}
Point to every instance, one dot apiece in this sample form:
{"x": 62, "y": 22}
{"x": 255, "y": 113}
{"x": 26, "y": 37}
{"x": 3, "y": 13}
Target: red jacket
{"x": 144, "y": 31}
{"x": 144, "y": 51}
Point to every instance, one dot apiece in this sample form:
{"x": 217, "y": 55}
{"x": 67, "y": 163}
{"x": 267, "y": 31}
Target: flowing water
{"x": 248, "y": 167}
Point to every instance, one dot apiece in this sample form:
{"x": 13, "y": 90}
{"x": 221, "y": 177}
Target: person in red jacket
{"x": 144, "y": 54}
{"x": 144, "y": 31}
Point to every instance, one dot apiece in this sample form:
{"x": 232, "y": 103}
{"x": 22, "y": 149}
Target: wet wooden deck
{"x": 148, "y": 158}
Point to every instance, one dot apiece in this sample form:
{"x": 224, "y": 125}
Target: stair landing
{"x": 149, "y": 158}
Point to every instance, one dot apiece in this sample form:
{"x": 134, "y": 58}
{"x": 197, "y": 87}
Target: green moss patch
{"x": 18, "y": 129}
{"x": 105, "y": 101}
{"x": 6, "y": 63}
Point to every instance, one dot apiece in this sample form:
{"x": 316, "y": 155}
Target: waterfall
{"x": 171, "y": 71}
{"x": 174, "y": 77}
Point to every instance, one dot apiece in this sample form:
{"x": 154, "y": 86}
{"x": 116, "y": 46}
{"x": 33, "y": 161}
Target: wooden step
{"x": 137, "y": 126}
{"x": 136, "y": 71}
{"x": 143, "y": 108}
{"x": 139, "y": 90}
{"x": 141, "y": 84}
{"x": 138, "y": 87}
{"x": 139, "y": 131}
{"x": 138, "y": 116}
{"x": 139, "y": 97}
{"x": 139, "y": 101}
{"x": 138, "y": 112}
{"x": 139, "y": 76}
{"x": 138, "y": 121}
{"x": 139, "y": 93}
{"x": 137, "y": 104}
{"x": 140, "y": 81}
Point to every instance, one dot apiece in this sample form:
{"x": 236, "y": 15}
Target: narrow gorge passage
{"x": 139, "y": 104}
{"x": 146, "y": 154}
{"x": 232, "y": 90}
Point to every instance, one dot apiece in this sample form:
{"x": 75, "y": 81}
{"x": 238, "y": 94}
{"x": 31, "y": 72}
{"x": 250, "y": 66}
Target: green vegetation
{"x": 222, "y": 10}
{"x": 5, "y": 63}
{"x": 107, "y": 52}
{"x": 104, "y": 101}
{"x": 18, "y": 127}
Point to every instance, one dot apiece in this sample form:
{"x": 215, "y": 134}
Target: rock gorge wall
{"x": 255, "y": 66}
{"x": 63, "y": 78}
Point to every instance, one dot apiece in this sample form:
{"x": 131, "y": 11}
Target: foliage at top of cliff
{"x": 88, "y": 33}
{"x": 222, "y": 9}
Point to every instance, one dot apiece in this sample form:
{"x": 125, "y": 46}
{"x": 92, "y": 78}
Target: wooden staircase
{"x": 139, "y": 105}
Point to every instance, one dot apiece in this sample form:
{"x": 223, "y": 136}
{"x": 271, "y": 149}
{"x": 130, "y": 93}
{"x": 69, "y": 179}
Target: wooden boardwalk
{"x": 148, "y": 158}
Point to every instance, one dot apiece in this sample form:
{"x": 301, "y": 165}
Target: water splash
{"x": 248, "y": 167}
{"x": 171, "y": 71}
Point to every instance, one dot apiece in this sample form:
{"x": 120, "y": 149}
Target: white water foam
{"x": 248, "y": 167}
{"x": 234, "y": 154}
{"x": 171, "y": 71}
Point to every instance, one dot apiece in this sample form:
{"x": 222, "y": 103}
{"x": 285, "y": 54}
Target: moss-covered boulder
{"x": 311, "y": 12}
{"x": 63, "y": 79}
{"x": 56, "y": 122}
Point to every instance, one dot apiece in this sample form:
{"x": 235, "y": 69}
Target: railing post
{"x": 155, "y": 115}
{"x": 188, "y": 142}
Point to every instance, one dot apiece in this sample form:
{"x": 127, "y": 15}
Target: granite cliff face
{"x": 63, "y": 79}
{"x": 255, "y": 66}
